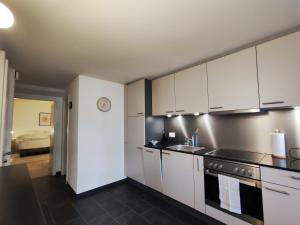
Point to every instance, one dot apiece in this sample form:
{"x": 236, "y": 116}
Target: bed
{"x": 33, "y": 143}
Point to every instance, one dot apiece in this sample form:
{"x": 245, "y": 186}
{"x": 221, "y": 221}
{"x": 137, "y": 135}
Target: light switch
{"x": 171, "y": 134}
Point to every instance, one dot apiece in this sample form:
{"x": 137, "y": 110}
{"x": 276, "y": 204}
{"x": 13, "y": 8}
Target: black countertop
{"x": 18, "y": 202}
{"x": 268, "y": 160}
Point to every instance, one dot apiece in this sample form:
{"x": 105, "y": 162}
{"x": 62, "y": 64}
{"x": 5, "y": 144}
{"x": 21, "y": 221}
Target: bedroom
{"x": 31, "y": 135}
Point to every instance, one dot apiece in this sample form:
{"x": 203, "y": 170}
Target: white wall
{"x": 100, "y": 156}
{"x": 26, "y": 116}
{"x": 72, "y": 136}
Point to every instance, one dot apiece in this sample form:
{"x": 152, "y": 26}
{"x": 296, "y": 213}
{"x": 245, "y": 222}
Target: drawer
{"x": 281, "y": 177}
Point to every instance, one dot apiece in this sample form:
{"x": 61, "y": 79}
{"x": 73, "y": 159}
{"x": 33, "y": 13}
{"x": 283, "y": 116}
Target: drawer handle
{"x": 149, "y": 151}
{"x": 140, "y": 148}
{"x": 295, "y": 178}
{"x": 277, "y": 191}
{"x": 217, "y": 107}
{"x": 198, "y": 169}
{"x": 182, "y": 110}
{"x": 169, "y": 111}
{"x": 166, "y": 153}
{"x": 271, "y": 103}
{"x": 140, "y": 113}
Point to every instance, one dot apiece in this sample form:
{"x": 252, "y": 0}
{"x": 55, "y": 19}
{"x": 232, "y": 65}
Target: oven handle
{"x": 244, "y": 181}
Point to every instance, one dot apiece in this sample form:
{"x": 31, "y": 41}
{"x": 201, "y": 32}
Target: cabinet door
{"x": 232, "y": 82}
{"x": 134, "y": 156}
{"x": 281, "y": 204}
{"x": 152, "y": 168}
{"x": 199, "y": 184}
{"x": 163, "y": 96}
{"x": 136, "y": 98}
{"x": 191, "y": 90}
{"x": 279, "y": 71}
{"x": 178, "y": 180}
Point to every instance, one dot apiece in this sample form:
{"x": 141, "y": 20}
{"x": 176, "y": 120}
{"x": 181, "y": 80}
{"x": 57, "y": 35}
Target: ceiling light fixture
{"x": 6, "y": 17}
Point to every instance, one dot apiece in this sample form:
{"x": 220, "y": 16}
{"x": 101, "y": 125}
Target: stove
{"x": 244, "y": 166}
{"x": 235, "y": 162}
{"x": 239, "y": 155}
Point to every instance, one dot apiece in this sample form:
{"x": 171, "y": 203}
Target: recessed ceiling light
{"x": 6, "y": 17}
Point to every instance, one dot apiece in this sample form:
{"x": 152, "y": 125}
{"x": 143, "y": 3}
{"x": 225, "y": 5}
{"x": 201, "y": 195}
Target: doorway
{"x": 32, "y": 135}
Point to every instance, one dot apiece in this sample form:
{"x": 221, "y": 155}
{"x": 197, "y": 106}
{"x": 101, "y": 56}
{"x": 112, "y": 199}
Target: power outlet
{"x": 172, "y": 134}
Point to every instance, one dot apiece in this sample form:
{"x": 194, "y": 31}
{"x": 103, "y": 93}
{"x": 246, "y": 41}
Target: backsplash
{"x": 244, "y": 131}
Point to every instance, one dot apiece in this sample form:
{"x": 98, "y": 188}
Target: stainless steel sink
{"x": 185, "y": 148}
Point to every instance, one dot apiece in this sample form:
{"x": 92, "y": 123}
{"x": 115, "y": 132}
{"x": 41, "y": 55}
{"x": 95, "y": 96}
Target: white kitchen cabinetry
{"x": 279, "y": 71}
{"x": 232, "y": 82}
{"x": 134, "y": 154}
{"x": 199, "y": 184}
{"x": 281, "y": 196}
{"x": 163, "y": 96}
{"x": 178, "y": 180}
{"x": 191, "y": 90}
{"x": 136, "y": 98}
{"x": 152, "y": 168}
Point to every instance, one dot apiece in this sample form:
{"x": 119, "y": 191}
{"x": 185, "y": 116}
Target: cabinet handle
{"x": 169, "y": 111}
{"x": 271, "y": 103}
{"x": 217, "y": 107}
{"x": 182, "y": 110}
{"x": 140, "y": 113}
{"x": 295, "y": 178}
{"x": 198, "y": 164}
{"x": 277, "y": 191}
{"x": 166, "y": 153}
{"x": 140, "y": 148}
{"x": 149, "y": 151}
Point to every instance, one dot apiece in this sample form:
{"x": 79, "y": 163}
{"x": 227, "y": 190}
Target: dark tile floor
{"x": 123, "y": 204}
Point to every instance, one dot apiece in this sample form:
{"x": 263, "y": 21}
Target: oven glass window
{"x": 251, "y": 197}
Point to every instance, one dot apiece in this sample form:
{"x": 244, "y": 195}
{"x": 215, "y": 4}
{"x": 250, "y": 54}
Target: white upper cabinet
{"x": 232, "y": 82}
{"x": 163, "y": 96}
{"x": 279, "y": 71}
{"x": 191, "y": 90}
{"x": 136, "y": 98}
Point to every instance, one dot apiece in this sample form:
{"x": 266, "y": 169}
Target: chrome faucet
{"x": 188, "y": 141}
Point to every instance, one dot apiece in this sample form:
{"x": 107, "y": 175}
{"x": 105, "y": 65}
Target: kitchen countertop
{"x": 18, "y": 202}
{"x": 268, "y": 160}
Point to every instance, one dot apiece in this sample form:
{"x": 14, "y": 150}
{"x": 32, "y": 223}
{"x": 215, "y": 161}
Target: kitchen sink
{"x": 185, "y": 148}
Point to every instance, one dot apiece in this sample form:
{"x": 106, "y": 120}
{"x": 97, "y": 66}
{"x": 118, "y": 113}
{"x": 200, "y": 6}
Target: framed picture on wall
{"x": 45, "y": 119}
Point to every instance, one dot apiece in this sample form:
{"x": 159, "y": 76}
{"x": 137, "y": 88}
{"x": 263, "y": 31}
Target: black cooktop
{"x": 244, "y": 156}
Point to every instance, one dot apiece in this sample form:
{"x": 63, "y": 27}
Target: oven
{"x": 250, "y": 188}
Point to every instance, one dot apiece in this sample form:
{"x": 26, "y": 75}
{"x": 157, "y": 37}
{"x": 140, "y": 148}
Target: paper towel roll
{"x": 278, "y": 145}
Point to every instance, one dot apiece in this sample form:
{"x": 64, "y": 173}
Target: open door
{"x": 51, "y": 163}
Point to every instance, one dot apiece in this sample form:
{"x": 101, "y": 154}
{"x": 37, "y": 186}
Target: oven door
{"x": 250, "y": 195}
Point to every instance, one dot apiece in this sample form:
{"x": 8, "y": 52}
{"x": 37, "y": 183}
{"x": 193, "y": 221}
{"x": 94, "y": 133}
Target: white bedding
{"x": 33, "y": 140}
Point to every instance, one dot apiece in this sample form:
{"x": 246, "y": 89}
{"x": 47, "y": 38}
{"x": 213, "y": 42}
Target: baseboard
{"x": 99, "y": 189}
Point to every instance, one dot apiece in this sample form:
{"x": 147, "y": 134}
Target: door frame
{"x": 58, "y": 145}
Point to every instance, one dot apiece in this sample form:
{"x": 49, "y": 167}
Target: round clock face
{"x": 104, "y": 104}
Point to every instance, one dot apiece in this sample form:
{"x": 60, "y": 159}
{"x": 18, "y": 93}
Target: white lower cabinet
{"x": 178, "y": 179}
{"x": 281, "y": 204}
{"x": 199, "y": 184}
{"x": 152, "y": 168}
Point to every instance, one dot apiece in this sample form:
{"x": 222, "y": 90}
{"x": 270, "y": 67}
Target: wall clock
{"x": 104, "y": 104}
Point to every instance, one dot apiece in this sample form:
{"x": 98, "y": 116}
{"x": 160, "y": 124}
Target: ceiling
{"x": 52, "y": 41}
